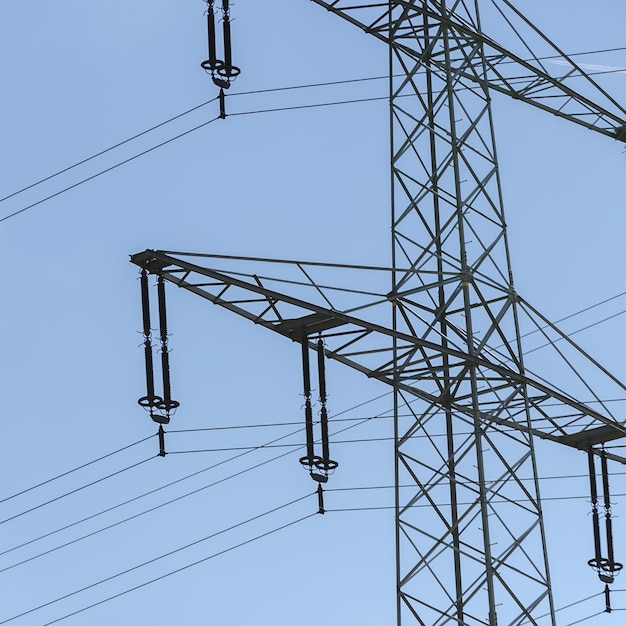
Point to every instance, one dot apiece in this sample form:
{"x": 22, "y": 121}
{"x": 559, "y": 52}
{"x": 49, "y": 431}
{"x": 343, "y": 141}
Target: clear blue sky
{"x": 310, "y": 184}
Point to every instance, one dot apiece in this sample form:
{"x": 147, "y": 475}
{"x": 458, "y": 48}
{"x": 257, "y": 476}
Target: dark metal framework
{"x": 476, "y": 555}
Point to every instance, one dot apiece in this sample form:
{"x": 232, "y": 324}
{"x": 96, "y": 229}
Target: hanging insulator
{"x": 162, "y": 311}
{"x": 161, "y": 440}
{"x": 606, "y": 567}
{"x": 321, "y": 370}
{"x": 228, "y": 71}
{"x": 310, "y": 459}
{"x": 325, "y": 464}
{"x": 222, "y": 72}
{"x": 596, "y": 562}
{"x": 150, "y": 400}
{"x": 167, "y": 404}
{"x": 611, "y": 567}
{"x": 212, "y": 64}
{"x": 145, "y": 304}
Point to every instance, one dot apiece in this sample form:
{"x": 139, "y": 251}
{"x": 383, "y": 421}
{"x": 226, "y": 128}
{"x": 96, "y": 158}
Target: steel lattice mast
{"x": 476, "y": 554}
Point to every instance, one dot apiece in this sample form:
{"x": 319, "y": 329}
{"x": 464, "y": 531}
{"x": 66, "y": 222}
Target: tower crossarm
{"x": 361, "y": 343}
{"x": 530, "y": 68}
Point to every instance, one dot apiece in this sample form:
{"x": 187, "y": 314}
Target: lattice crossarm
{"x": 366, "y": 346}
{"x": 415, "y": 24}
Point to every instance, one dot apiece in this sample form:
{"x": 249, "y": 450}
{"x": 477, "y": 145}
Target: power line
{"x": 194, "y": 543}
{"x": 188, "y": 476}
{"x": 152, "y": 491}
{"x": 109, "y": 149}
{"x": 108, "y": 169}
{"x": 203, "y": 104}
{"x": 180, "y": 569}
{"x": 177, "y": 117}
{"x": 49, "y": 480}
{"x": 256, "y": 466}
{"x": 73, "y": 491}
{"x": 567, "y": 606}
{"x": 132, "y": 517}
{"x": 254, "y": 92}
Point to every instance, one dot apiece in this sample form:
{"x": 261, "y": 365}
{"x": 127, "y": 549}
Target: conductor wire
{"x": 180, "y": 569}
{"x": 109, "y": 149}
{"x": 49, "y": 480}
{"x": 73, "y": 491}
{"x": 162, "y": 556}
{"x": 108, "y": 169}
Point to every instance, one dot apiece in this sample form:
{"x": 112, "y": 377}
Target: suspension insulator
{"x": 597, "y": 561}
{"x": 325, "y": 464}
{"x": 222, "y": 72}
{"x": 162, "y": 311}
{"x": 212, "y": 64}
{"x": 310, "y": 459}
{"x": 166, "y": 404}
{"x": 321, "y": 370}
{"x": 150, "y": 400}
{"x": 612, "y": 567}
{"x": 606, "y": 567}
{"x": 145, "y": 303}
{"x": 228, "y": 70}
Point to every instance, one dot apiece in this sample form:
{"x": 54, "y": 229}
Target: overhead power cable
{"x": 132, "y": 517}
{"x": 73, "y": 491}
{"x": 243, "y": 93}
{"x": 181, "y": 569}
{"x": 49, "y": 480}
{"x": 177, "y": 117}
{"x": 109, "y": 149}
{"x": 162, "y": 556}
{"x": 427, "y": 505}
{"x": 188, "y": 476}
{"x": 220, "y": 481}
{"x": 248, "y": 93}
{"x": 108, "y": 169}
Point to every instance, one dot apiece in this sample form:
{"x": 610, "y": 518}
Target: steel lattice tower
{"x": 443, "y": 323}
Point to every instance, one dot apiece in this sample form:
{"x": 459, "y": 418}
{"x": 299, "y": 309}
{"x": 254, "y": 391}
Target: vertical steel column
{"x": 452, "y": 285}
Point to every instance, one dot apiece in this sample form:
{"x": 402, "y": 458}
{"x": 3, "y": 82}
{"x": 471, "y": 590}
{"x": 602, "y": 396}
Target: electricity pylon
{"x": 443, "y": 324}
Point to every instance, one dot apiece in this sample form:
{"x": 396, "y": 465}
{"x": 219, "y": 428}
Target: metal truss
{"x": 529, "y": 68}
{"x": 466, "y": 405}
{"x": 443, "y": 324}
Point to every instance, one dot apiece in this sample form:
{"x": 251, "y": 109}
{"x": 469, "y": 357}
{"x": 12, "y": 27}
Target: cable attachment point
{"x": 607, "y": 599}
{"x": 320, "y": 500}
{"x": 161, "y": 434}
{"x": 222, "y": 99}
{"x": 223, "y": 72}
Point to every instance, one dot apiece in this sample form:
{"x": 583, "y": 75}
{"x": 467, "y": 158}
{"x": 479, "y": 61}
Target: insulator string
{"x": 222, "y": 72}
{"x": 606, "y": 567}
{"x": 310, "y": 459}
{"x": 594, "y": 509}
{"x": 150, "y": 400}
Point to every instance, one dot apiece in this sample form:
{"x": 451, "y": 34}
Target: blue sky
{"x": 308, "y": 184}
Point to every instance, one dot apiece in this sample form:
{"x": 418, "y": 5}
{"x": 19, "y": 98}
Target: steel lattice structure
{"x": 443, "y": 324}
